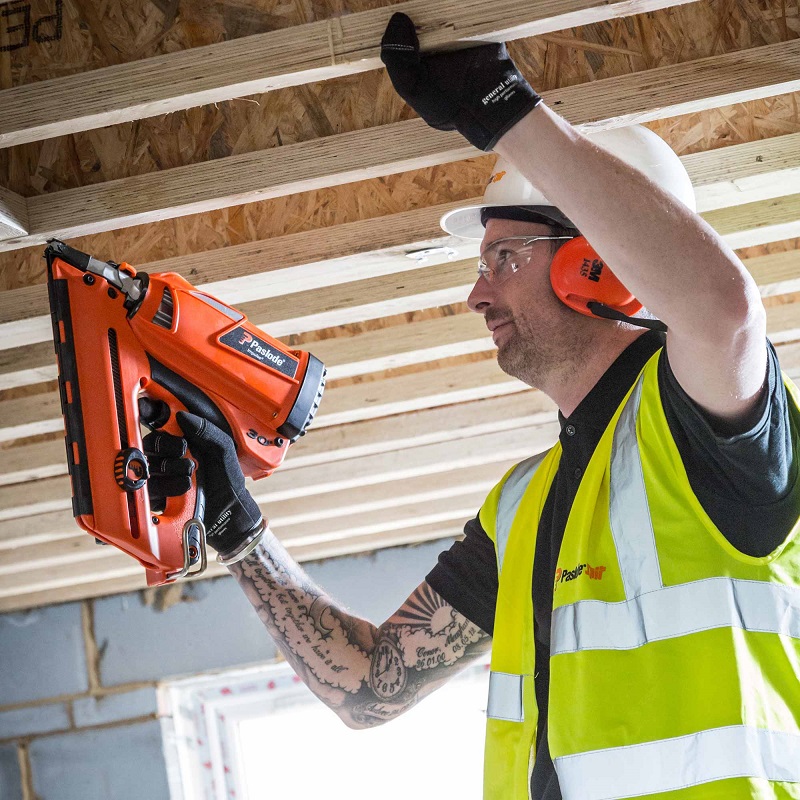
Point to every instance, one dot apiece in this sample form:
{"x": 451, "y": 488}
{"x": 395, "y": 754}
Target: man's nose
{"x": 481, "y": 296}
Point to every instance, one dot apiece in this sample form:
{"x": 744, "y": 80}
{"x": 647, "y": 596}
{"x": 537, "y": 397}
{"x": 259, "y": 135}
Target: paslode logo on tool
{"x": 247, "y": 343}
{"x": 565, "y": 575}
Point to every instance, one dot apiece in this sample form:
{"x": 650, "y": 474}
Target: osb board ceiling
{"x": 418, "y": 421}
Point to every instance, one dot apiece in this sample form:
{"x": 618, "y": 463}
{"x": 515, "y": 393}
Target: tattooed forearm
{"x": 366, "y": 674}
{"x": 328, "y": 648}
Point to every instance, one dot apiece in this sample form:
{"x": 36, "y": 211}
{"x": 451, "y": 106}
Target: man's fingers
{"x": 168, "y": 486}
{"x": 400, "y": 54}
{"x": 153, "y": 413}
{"x": 400, "y": 44}
{"x": 180, "y": 467}
{"x": 164, "y": 445}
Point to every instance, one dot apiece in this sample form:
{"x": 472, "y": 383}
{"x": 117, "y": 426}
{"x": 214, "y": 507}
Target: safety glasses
{"x": 503, "y": 257}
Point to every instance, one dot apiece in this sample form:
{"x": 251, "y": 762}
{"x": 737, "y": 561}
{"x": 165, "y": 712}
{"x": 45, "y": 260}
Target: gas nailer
{"x": 122, "y": 335}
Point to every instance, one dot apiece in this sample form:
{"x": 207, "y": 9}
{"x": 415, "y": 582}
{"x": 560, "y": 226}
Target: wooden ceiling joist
{"x": 446, "y": 384}
{"x": 264, "y": 62}
{"x": 99, "y": 578}
{"x": 13, "y": 214}
{"x": 745, "y": 173}
{"x": 382, "y": 435}
{"x": 724, "y": 177}
{"x": 127, "y": 578}
{"x": 53, "y": 503}
{"x": 429, "y": 287}
{"x": 276, "y": 267}
{"x": 343, "y": 158}
{"x": 758, "y": 223}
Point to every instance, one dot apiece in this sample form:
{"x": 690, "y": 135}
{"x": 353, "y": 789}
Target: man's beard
{"x": 536, "y": 356}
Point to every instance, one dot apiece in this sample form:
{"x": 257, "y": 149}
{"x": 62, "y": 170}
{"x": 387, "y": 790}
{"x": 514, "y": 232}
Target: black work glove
{"x": 170, "y": 472}
{"x": 231, "y": 514}
{"x": 478, "y": 91}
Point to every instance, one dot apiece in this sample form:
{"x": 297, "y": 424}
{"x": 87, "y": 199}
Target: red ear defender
{"x": 579, "y": 277}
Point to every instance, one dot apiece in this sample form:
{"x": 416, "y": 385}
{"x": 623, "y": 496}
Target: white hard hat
{"x": 636, "y": 145}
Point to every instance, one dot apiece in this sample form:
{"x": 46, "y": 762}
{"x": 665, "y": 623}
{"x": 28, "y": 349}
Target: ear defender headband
{"x": 583, "y": 281}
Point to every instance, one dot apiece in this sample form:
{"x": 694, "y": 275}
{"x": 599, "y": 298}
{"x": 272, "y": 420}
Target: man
{"x": 659, "y": 649}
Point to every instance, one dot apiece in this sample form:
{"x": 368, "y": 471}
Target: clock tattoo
{"x": 387, "y": 673}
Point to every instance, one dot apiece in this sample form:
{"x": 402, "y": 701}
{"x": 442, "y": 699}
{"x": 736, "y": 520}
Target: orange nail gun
{"x": 121, "y": 335}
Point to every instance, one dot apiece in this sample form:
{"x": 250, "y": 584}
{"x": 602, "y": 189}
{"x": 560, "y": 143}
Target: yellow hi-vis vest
{"x": 675, "y": 659}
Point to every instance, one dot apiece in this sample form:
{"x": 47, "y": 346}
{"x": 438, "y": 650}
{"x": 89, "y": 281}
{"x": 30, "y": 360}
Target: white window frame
{"x": 200, "y": 725}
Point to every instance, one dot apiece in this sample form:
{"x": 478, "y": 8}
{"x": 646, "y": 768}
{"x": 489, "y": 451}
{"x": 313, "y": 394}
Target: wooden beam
{"x": 758, "y": 223}
{"x": 24, "y": 312}
{"x": 613, "y": 102}
{"x": 130, "y": 578}
{"x": 776, "y": 273}
{"x": 745, "y": 173}
{"x": 310, "y": 482}
{"x": 436, "y": 387}
{"x": 326, "y": 257}
{"x": 335, "y": 443}
{"x": 380, "y": 246}
{"x": 375, "y": 351}
{"x": 373, "y": 298}
{"x": 13, "y": 214}
{"x": 359, "y": 511}
{"x": 255, "y": 64}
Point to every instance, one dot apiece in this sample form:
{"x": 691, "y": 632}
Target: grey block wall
{"x": 78, "y": 710}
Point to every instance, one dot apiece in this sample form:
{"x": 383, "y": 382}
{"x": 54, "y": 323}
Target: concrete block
{"x": 114, "y": 707}
{"x": 124, "y": 763}
{"x": 10, "y": 780}
{"x": 42, "y": 653}
{"x": 214, "y": 627}
{"x": 32, "y": 720}
{"x": 374, "y": 585}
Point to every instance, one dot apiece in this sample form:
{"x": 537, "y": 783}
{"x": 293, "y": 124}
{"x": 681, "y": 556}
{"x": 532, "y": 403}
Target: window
{"x": 260, "y": 734}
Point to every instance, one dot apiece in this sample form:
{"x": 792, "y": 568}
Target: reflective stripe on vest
{"x": 672, "y": 764}
{"x": 629, "y": 514}
{"x": 513, "y": 489}
{"x": 505, "y": 689}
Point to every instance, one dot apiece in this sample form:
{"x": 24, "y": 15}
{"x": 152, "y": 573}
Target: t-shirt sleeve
{"x": 745, "y": 478}
{"x": 466, "y": 576}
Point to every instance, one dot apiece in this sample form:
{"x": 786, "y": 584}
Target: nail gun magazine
{"x": 121, "y": 336}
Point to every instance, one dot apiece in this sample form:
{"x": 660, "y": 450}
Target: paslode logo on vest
{"x": 566, "y": 575}
{"x": 251, "y": 345}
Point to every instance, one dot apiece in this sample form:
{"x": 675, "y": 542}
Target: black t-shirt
{"x": 745, "y": 480}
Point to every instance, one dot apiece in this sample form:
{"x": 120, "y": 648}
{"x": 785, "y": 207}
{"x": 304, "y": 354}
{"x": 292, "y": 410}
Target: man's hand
{"x": 231, "y": 514}
{"x": 170, "y": 471}
{"x": 478, "y": 91}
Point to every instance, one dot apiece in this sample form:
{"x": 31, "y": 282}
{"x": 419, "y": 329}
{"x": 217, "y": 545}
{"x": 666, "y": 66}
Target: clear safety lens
{"x": 502, "y": 258}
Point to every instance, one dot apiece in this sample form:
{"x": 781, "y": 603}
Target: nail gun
{"x": 122, "y": 335}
